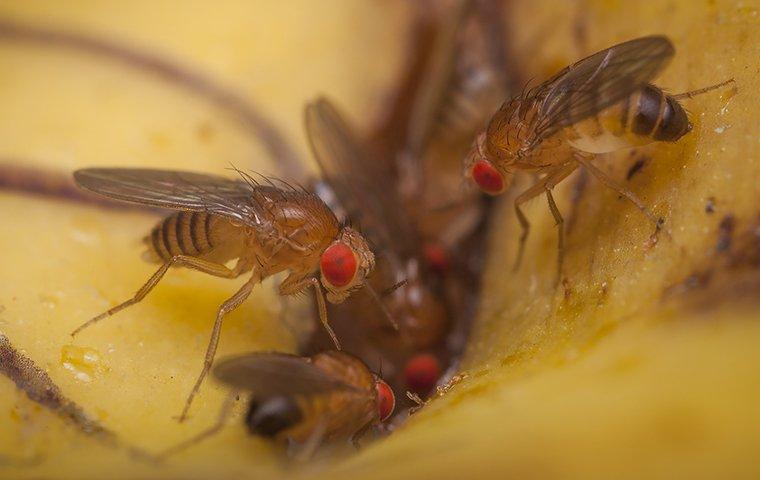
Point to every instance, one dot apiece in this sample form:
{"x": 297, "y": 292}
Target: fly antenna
{"x": 382, "y": 305}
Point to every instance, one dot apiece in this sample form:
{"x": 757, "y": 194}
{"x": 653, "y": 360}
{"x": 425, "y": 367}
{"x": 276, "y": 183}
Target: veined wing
{"x": 599, "y": 81}
{"x": 272, "y": 373}
{"x": 176, "y": 190}
{"x": 439, "y": 75}
{"x": 362, "y": 188}
{"x": 587, "y": 87}
{"x": 465, "y": 78}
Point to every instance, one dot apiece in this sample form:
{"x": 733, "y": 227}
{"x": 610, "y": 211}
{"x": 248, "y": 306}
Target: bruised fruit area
{"x": 641, "y": 363}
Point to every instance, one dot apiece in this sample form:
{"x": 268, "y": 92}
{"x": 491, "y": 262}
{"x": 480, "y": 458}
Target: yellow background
{"x": 604, "y": 377}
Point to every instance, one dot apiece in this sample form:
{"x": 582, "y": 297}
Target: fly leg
{"x": 700, "y": 91}
{"x": 216, "y": 269}
{"x": 357, "y": 435}
{"x": 295, "y": 284}
{"x": 377, "y": 297}
{"x": 629, "y": 195}
{"x": 224, "y": 413}
{"x": 560, "y": 223}
{"x": 230, "y": 304}
{"x": 552, "y": 178}
{"x": 322, "y": 307}
{"x": 417, "y": 400}
{"x": 533, "y": 191}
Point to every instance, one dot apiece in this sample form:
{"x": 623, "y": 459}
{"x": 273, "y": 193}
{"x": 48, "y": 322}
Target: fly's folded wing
{"x": 234, "y": 199}
{"x": 599, "y": 81}
{"x": 267, "y": 374}
{"x": 361, "y": 187}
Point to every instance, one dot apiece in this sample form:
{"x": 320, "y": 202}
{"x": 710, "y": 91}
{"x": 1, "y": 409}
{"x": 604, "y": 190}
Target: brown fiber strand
{"x": 39, "y": 387}
{"x": 50, "y": 183}
{"x": 166, "y": 70}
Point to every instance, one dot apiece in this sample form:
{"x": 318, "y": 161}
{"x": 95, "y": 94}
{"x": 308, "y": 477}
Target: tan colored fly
{"x": 598, "y": 105}
{"x": 369, "y": 196}
{"x": 395, "y": 191}
{"x": 324, "y": 398}
{"x": 465, "y": 77}
{"x": 266, "y": 228}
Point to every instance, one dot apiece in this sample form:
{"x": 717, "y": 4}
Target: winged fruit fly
{"x": 465, "y": 76}
{"x": 324, "y": 398}
{"x": 266, "y": 227}
{"x": 597, "y": 105}
{"x": 360, "y": 187}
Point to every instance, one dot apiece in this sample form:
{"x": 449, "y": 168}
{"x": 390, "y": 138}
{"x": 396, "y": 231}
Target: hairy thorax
{"x": 292, "y": 229}
{"x": 297, "y": 228}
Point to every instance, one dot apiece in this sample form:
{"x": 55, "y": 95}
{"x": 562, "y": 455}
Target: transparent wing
{"x": 362, "y": 188}
{"x": 465, "y": 78}
{"x": 272, "y": 373}
{"x": 438, "y": 78}
{"x": 175, "y": 190}
{"x": 599, "y": 81}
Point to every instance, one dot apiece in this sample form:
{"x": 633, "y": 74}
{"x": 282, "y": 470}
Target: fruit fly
{"x": 306, "y": 400}
{"x": 266, "y": 227}
{"x": 366, "y": 192}
{"x": 397, "y": 195}
{"x": 465, "y": 76}
{"x": 597, "y": 105}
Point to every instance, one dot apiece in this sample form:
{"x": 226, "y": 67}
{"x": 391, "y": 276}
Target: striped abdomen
{"x": 183, "y": 233}
{"x": 647, "y": 115}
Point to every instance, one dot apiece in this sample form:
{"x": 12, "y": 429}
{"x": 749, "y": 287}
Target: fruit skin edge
{"x": 613, "y": 378}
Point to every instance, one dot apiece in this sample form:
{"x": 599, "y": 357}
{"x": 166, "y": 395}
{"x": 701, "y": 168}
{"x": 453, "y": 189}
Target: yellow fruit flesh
{"x": 604, "y": 376}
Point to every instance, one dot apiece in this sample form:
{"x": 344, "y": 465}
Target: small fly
{"x": 308, "y": 401}
{"x": 598, "y": 105}
{"x": 265, "y": 227}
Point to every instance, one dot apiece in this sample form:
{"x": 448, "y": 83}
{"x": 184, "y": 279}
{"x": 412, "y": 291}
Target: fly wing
{"x": 465, "y": 78}
{"x": 437, "y": 80}
{"x": 175, "y": 190}
{"x": 362, "y": 188}
{"x": 268, "y": 374}
{"x": 599, "y": 81}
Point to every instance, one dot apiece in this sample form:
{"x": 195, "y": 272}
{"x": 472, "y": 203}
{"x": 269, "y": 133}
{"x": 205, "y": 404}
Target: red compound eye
{"x": 338, "y": 265}
{"x": 386, "y": 401}
{"x": 421, "y": 373}
{"x": 437, "y": 257}
{"x": 487, "y": 177}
